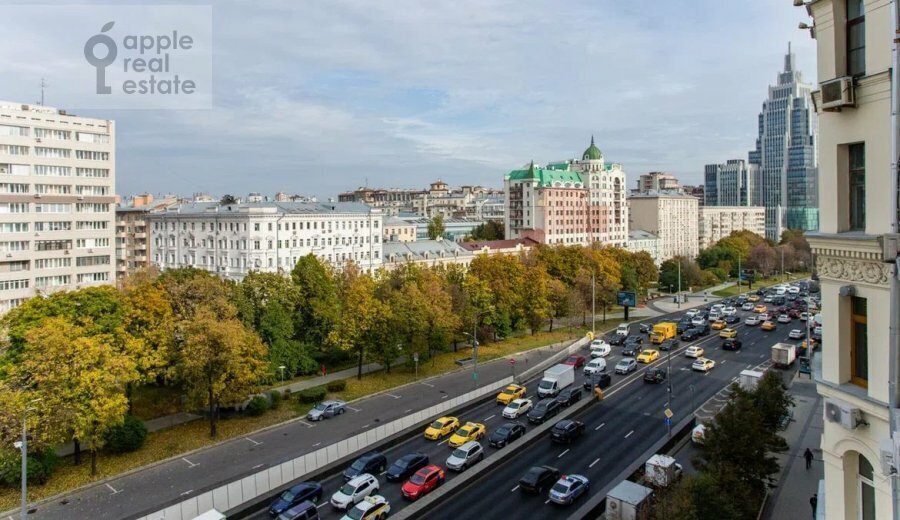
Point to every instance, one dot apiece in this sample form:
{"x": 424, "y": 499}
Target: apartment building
{"x": 717, "y": 222}
{"x": 856, "y": 250}
{"x": 398, "y": 230}
{"x": 439, "y": 199}
{"x": 231, "y": 240}
{"x": 657, "y": 181}
{"x": 57, "y": 211}
{"x": 640, "y": 240}
{"x": 673, "y": 217}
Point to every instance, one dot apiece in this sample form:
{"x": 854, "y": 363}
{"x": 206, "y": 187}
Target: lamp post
{"x": 281, "y": 368}
{"x": 473, "y": 335}
{"x": 23, "y": 446}
{"x": 693, "y": 410}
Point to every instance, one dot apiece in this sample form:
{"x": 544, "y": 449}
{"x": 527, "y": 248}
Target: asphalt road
{"x": 619, "y": 430}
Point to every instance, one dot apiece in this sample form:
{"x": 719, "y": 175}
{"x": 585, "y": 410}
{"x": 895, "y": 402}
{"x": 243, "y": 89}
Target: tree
{"x": 357, "y": 314}
{"x": 436, "y": 227}
{"x": 490, "y": 230}
{"x": 149, "y": 324}
{"x": 536, "y": 297}
{"x": 227, "y": 200}
{"x": 772, "y": 399}
{"x": 560, "y": 296}
{"x": 317, "y": 308}
{"x": 690, "y": 274}
{"x": 762, "y": 258}
{"x": 220, "y": 361}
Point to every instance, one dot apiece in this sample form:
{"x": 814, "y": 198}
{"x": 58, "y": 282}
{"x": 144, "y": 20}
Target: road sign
{"x": 668, "y": 413}
{"x": 512, "y": 361}
{"x": 416, "y": 357}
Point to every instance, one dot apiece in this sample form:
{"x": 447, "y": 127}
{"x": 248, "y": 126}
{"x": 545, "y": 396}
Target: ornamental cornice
{"x": 854, "y": 270}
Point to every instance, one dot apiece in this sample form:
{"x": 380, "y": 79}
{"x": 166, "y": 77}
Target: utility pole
{"x": 593, "y": 304}
{"x": 740, "y": 273}
{"x": 782, "y": 265}
{"x": 678, "y": 297}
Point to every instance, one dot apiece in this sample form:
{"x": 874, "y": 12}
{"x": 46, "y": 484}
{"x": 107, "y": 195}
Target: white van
{"x": 595, "y": 366}
{"x": 780, "y": 290}
{"x": 622, "y": 329}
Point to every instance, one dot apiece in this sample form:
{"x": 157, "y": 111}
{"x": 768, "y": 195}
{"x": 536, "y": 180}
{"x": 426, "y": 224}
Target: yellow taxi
{"x": 441, "y": 427}
{"x": 753, "y": 298}
{"x": 648, "y": 356}
{"x": 471, "y": 431}
{"x": 760, "y": 308}
{"x": 718, "y": 325}
{"x": 510, "y": 393}
{"x": 728, "y": 333}
{"x": 768, "y": 325}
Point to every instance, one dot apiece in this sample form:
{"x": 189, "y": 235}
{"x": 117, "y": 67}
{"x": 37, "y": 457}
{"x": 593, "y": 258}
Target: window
{"x": 47, "y": 133}
{"x": 866, "y": 490}
{"x": 90, "y": 155}
{"x": 856, "y": 38}
{"x": 15, "y": 131}
{"x": 857, "y": 190}
{"x": 859, "y": 342}
{"x": 100, "y": 173}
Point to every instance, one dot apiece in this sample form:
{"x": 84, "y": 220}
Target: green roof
{"x": 545, "y": 177}
{"x": 592, "y": 153}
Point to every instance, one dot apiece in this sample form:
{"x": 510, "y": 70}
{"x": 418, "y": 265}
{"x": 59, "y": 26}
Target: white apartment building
{"x": 232, "y": 240}
{"x": 673, "y": 217}
{"x": 57, "y": 203}
{"x": 640, "y": 240}
{"x": 717, "y": 222}
{"x": 856, "y": 252}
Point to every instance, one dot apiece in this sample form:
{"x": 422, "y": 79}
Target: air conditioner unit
{"x": 37, "y": 195}
{"x": 840, "y": 412}
{"x": 837, "y": 93}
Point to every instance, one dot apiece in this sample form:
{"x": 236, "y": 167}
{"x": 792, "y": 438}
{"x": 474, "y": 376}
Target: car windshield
{"x": 514, "y": 405}
{"x": 321, "y": 407}
{"x": 287, "y": 496}
{"x": 459, "y": 453}
{"x": 348, "y": 489}
{"x": 437, "y": 424}
{"x": 417, "y": 479}
{"x": 357, "y": 512}
{"x": 511, "y": 389}
{"x": 503, "y": 430}
{"x": 546, "y": 384}
{"x": 465, "y": 432}
{"x": 561, "y": 488}
{"x": 358, "y": 465}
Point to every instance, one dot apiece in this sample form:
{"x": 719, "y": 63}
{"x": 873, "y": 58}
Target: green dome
{"x": 592, "y": 153}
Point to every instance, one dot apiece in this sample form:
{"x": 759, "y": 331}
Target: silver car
{"x": 465, "y": 456}
{"x": 326, "y": 410}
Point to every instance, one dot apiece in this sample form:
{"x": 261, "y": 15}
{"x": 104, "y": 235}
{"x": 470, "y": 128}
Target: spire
{"x": 789, "y": 60}
{"x": 592, "y": 153}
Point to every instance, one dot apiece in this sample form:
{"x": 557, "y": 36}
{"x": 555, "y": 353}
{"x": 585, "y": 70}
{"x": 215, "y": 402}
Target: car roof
{"x": 469, "y": 445}
{"x": 428, "y": 470}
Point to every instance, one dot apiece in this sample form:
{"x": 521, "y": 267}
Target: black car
{"x": 631, "y": 349}
{"x": 566, "y": 431}
{"x": 616, "y": 340}
{"x": 732, "y": 344}
{"x": 311, "y": 491}
{"x": 406, "y": 465}
{"x": 372, "y": 462}
{"x": 690, "y": 334}
{"x": 669, "y": 344}
{"x": 538, "y": 479}
{"x": 645, "y": 328}
{"x": 544, "y": 410}
{"x": 603, "y": 380}
{"x": 634, "y": 338}
{"x": 655, "y": 375}
{"x": 505, "y": 434}
{"x": 734, "y": 318}
{"x": 569, "y": 396}
{"x": 702, "y": 330}
{"x": 682, "y": 326}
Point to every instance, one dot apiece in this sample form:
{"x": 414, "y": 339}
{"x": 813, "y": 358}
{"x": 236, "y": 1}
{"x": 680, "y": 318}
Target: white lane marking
{"x": 513, "y": 490}
{"x": 601, "y": 426}
{"x": 114, "y": 490}
{"x": 190, "y": 464}
{"x": 258, "y": 466}
{"x": 392, "y": 395}
{"x": 255, "y": 443}
{"x": 316, "y": 444}
{"x": 445, "y": 396}
{"x": 306, "y": 424}
{"x": 323, "y": 504}
{"x": 428, "y": 384}
{"x": 408, "y": 410}
{"x": 365, "y": 426}
{"x": 354, "y": 409}
{"x": 563, "y": 453}
{"x": 629, "y": 434}
{"x": 547, "y": 501}
{"x": 748, "y": 366}
{"x": 592, "y": 463}
{"x": 489, "y": 418}
{"x": 188, "y": 492}
{"x": 443, "y": 441}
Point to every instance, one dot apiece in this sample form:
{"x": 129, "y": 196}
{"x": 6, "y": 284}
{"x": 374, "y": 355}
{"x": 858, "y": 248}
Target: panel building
{"x": 57, "y": 185}
{"x": 673, "y": 217}
{"x": 717, "y": 222}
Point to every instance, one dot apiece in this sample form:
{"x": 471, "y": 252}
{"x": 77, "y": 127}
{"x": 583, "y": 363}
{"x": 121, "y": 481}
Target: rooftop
{"x": 478, "y": 245}
{"x": 421, "y": 250}
{"x": 205, "y": 208}
{"x": 640, "y": 234}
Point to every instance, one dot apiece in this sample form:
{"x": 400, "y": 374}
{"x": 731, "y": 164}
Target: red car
{"x": 794, "y": 313}
{"x": 575, "y": 361}
{"x": 423, "y": 482}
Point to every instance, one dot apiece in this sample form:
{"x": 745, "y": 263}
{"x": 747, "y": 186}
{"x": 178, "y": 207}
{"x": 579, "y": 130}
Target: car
{"x": 763, "y": 317}
{"x": 669, "y": 344}
{"x": 311, "y": 491}
{"x": 406, "y": 465}
{"x": 703, "y": 364}
{"x": 505, "y": 434}
{"x": 698, "y": 434}
{"x": 634, "y": 338}
{"x": 302, "y": 511}
{"x": 566, "y": 431}
{"x": 631, "y": 349}
{"x": 784, "y": 318}
{"x": 760, "y": 308}
{"x": 326, "y": 410}
{"x": 626, "y": 366}
{"x": 690, "y": 334}
{"x": 510, "y": 393}
{"x": 622, "y": 329}
{"x": 693, "y": 351}
{"x": 373, "y": 507}
{"x": 371, "y": 462}
{"x": 354, "y": 491}
{"x": 796, "y": 334}
{"x": 794, "y": 313}
{"x": 595, "y": 366}
{"x": 645, "y": 328}
{"x": 575, "y": 361}
{"x": 441, "y": 427}
{"x": 602, "y": 380}
{"x": 616, "y": 340}
{"x": 728, "y": 333}
{"x": 698, "y": 320}
{"x": 471, "y": 431}
{"x": 655, "y": 375}
{"x": 729, "y": 311}
{"x": 804, "y": 316}
{"x": 691, "y": 313}
{"x": 600, "y": 348}
{"x": 753, "y": 298}
{"x": 714, "y": 316}
{"x": 731, "y": 320}
{"x": 768, "y": 326}
{"x": 682, "y": 326}
{"x": 718, "y": 325}
{"x": 538, "y": 478}
{"x": 422, "y": 482}
{"x": 648, "y": 356}
{"x": 747, "y": 306}
{"x": 544, "y": 410}
{"x": 751, "y": 320}
{"x": 569, "y": 396}
{"x": 817, "y": 330}
{"x": 568, "y": 488}
{"x": 703, "y": 329}
{"x": 517, "y": 408}
{"x": 465, "y": 456}
{"x": 732, "y": 344}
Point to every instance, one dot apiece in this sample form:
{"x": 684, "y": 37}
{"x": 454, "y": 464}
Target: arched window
{"x": 866, "y": 490}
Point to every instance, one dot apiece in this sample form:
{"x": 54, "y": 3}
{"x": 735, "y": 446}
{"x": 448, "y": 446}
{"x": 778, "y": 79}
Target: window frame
{"x": 856, "y": 179}
{"x": 858, "y": 21}
{"x": 855, "y": 321}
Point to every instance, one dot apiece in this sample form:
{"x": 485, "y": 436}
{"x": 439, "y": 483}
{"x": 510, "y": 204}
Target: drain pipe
{"x": 894, "y": 339}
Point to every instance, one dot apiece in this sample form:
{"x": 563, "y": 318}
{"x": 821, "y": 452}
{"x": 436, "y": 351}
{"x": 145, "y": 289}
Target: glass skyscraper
{"x": 785, "y": 155}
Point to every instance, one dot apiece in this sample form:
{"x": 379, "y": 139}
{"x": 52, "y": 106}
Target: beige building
{"x": 673, "y": 217}
{"x": 640, "y": 240}
{"x": 132, "y": 241}
{"x": 57, "y": 185}
{"x": 398, "y": 230}
{"x": 657, "y": 181}
{"x": 855, "y": 248}
{"x": 717, "y": 222}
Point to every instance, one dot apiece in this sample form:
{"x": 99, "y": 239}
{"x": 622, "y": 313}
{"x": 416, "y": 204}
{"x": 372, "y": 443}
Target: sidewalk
{"x": 665, "y": 304}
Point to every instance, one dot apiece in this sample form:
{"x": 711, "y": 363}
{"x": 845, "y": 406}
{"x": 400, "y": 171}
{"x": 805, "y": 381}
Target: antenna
{"x": 43, "y": 86}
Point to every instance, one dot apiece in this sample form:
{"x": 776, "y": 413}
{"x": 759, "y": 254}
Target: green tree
{"x": 358, "y": 311}
{"x": 227, "y": 200}
{"x": 536, "y": 297}
{"x": 490, "y": 230}
{"x": 318, "y": 306}
{"x": 436, "y": 227}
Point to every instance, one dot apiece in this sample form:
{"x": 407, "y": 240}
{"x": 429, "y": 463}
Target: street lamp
{"x": 474, "y": 351}
{"x": 282, "y": 367}
{"x": 23, "y": 446}
{"x": 693, "y": 410}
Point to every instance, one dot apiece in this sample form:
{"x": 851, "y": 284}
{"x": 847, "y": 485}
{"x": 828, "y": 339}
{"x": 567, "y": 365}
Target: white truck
{"x": 555, "y": 379}
{"x": 750, "y": 378}
{"x": 661, "y": 470}
{"x": 784, "y": 354}
{"x": 628, "y": 501}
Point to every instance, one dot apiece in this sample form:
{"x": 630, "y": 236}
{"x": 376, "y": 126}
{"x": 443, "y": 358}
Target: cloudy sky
{"x": 318, "y": 97}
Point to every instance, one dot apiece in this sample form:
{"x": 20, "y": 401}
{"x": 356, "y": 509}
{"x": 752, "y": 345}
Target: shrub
{"x": 338, "y": 385}
{"x": 312, "y": 395}
{"x": 274, "y": 399}
{"x": 40, "y": 467}
{"x": 128, "y": 436}
{"x": 257, "y": 406}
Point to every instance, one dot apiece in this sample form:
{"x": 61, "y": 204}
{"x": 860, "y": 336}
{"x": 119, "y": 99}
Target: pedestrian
{"x": 808, "y": 455}
{"x": 322, "y": 368}
{"x": 813, "y": 501}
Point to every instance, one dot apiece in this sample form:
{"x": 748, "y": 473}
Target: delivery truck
{"x": 661, "y": 470}
{"x": 555, "y": 379}
{"x": 663, "y": 331}
{"x": 750, "y": 379}
{"x": 628, "y": 501}
{"x": 783, "y": 354}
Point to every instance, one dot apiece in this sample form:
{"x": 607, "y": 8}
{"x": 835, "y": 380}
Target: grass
{"x": 763, "y": 282}
{"x": 182, "y": 438}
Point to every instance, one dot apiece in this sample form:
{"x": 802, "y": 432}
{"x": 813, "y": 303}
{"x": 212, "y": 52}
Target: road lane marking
{"x": 190, "y": 464}
{"x": 592, "y": 463}
{"x": 188, "y": 492}
{"x": 629, "y": 434}
{"x": 354, "y": 409}
{"x": 258, "y": 466}
{"x": 316, "y": 444}
{"x": 489, "y": 418}
{"x": 365, "y": 426}
{"x": 114, "y": 490}
{"x": 408, "y": 410}
{"x": 392, "y": 395}
{"x": 443, "y": 441}
{"x": 445, "y": 396}
{"x": 323, "y": 504}
{"x": 601, "y": 426}
{"x": 306, "y": 424}
{"x": 428, "y": 384}
{"x": 563, "y": 453}
{"x": 513, "y": 490}
{"x": 255, "y": 443}
{"x": 547, "y": 501}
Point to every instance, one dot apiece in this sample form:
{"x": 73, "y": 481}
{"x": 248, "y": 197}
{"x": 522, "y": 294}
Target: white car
{"x": 691, "y": 313}
{"x": 354, "y": 491}
{"x": 729, "y": 311}
{"x": 600, "y": 348}
{"x": 517, "y": 408}
{"x": 626, "y": 366}
{"x": 818, "y": 330}
{"x": 713, "y": 316}
{"x": 693, "y": 352}
{"x": 804, "y": 316}
{"x": 698, "y": 320}
{"x": 769, "y": 298}
{"x": 698, "y": 434}
{"x": 703, "y": 364}
{"x": 784, "y": 318}
{"x": 747, "y": 306}
{"x": 796, "y": 334}
{"x": 374, "y": 506}
{"x": 752, "y": 320}
{"x": 763, "y": 316}
{"x": 622, "y": 329}
{"x": 595, "y": 366}
{"x": 793, "y": 289}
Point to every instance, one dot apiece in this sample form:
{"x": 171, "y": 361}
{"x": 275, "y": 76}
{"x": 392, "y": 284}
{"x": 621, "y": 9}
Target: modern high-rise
{"x": 786, "y": 154}
{"x": 732, "y": 183}
{"x": 57, "y": 203}
{"x": 671, "y": 216}
{"x": 856, "y": 251}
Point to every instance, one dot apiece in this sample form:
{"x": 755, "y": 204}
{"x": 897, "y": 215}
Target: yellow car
{"x": 769, "y": 325}
{"x": 510, "y": 393}
{"x": 760, "y": 308}
{"x": 648, "y": 356}
{"x": 470, "y": 432}
{"x": 753, "y": 298}
{"x": 441, "y": 427}
{"x": 717, "y": 325}
{"x": 728, "y": 333}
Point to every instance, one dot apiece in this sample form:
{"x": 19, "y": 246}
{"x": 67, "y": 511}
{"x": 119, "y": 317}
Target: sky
{"x": 320, "y": 97}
